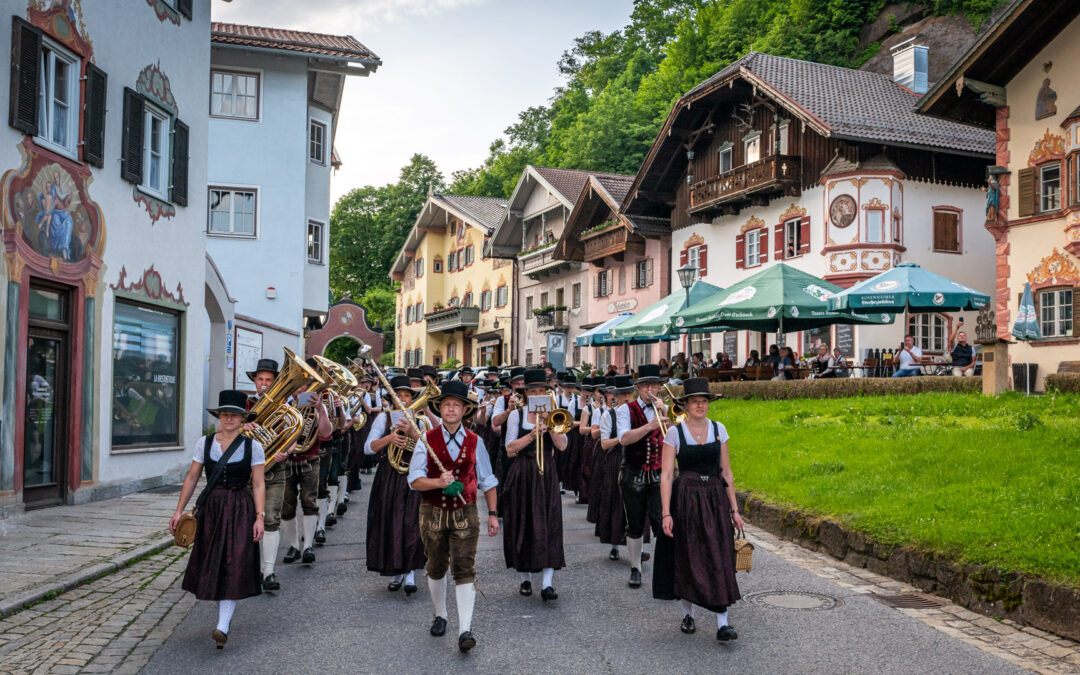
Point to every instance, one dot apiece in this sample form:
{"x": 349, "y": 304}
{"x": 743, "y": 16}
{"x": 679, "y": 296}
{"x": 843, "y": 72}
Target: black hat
{"x": 566, "y": 379}
{"x": 415, "y": 373}
{"x": 535, "y": 378}
{"x": 504, "y": 383}
{"x": 647, "y": 372}
{"x": 492, "y": 370}
{"x": 587, "y": 384}
{"x": 517, "y": 373}
{"x": 465, "y": 370}
{"x": 269, "y": 365}
{"x": 453, "y": 389}
{"x": 696, "y": 386}
{"x": 624, "y": 384}
{"x": 232, "y": 401}
{"x": 429, "y": 370}
{"x": 609, "y": 383}
{"x": 401, "y": 382}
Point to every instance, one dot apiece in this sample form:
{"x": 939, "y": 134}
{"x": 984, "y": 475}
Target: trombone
{"x": 675, "y": 412}
{"x": 558, "y": 421}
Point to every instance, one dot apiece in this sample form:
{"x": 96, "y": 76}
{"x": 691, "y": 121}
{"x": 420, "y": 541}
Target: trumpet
{"x": 558, "y": 421}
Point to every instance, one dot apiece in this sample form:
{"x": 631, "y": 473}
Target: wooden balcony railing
{"x": 778, "y": 173}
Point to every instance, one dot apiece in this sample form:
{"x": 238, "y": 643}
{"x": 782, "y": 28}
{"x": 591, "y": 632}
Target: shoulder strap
{"x": 219, "y": 468}
{"x": 682, "y": 438}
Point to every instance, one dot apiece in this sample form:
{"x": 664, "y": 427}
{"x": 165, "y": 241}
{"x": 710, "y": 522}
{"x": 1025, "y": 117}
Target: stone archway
{"x": 342, "y": 348}
{"x": 220, "y": 312}
{"x": 345, "y": 318}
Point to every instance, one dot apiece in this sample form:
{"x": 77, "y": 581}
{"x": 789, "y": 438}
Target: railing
{"x": 605, "y": 243}
{"x": 452, "y": 318}
{"x": 778, "y": 172}
{"x": 555, "y": 320}
{"x": 536, "y": 259}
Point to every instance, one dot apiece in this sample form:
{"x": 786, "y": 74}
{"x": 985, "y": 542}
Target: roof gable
{"x": 342, "y": 47}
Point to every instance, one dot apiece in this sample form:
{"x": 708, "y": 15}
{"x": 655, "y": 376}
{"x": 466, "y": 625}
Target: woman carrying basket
{"x": 695, "y": 555}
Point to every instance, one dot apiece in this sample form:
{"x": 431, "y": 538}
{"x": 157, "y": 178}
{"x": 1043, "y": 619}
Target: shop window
{"x": 146, "y": 375}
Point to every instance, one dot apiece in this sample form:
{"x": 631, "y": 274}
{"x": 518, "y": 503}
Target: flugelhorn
{"x": 277, "y": 424}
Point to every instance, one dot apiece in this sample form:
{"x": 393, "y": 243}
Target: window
{"x": 146, "y": 375}
{"x": 451, "y": 351}
{"x": 753, "y": 248}
{"x": 234, "y": 95}
{"x": 502, "y": 294}
{"x": 468, "y": 300}
{"x": 622, "y": 280}
{"x": 469, "y": 255}
{"x": 485, "y": 301}
{"x": 753, "y": 149}
{"x": 641, "y": 354}
{"x": 1049, "y": 187}
{"x": 1056, "y": 312}
{"x": 575, "y": 356}
{"x": 643, "y": 273}
{"x": 232, "y": 211}
{"x": 451, "y": 261}
{"x": 946, "y": 231}
{"x": 929, "y": 332}
{"x": 418, "y": 268}
{"x": 528, "y": 306}
{"x": 783, "y": 139}
{"x": 315, "y": 240}
{"x": 419, "y": 311}
{"x": 317, "y": 142}
{"x": 58, "y": 99}
{"x": 543, "y": 300}
{"x": 701, "y": 342}
{"x": 528, "y": 357}
{"x": 725, "y": 158}
{"x": 792, "y": 238}
{"x": 875, "y": 226}
{"x": 455, "y": 301}
{"x": 575, "y": 295}
{"x": 438, "y": 266}
{"x": 155, "y": 152}
{"x": 603, "y": 283}
{"x": 1076, "y": 179}
{"x": 453, "y": 227}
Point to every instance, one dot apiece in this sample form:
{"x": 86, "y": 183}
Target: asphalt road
{"x": 335, "y": 616}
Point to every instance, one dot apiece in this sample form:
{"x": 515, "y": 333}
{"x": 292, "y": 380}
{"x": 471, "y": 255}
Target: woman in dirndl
{"x": 224, "y": 563}
{"x": 695, "y": 555}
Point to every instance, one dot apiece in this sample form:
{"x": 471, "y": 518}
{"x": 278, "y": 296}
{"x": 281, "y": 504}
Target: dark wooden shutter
{"x": 131, "y": 151}
{"x": 740, "y": 251}
{"x": 946, "y": 236}
{"x": 184, "y": 7}
{"x": 1029, "y": 198}
{"x": 763, "y": 241}
{"x": 25, "y": 56}
{"x": 778, "y": 241}
{"x": 1076, "y": 312}
{"x": 94, "y": 116}
{"x": 703, "y": 261}
{"x": 179, "y": 193}
{"x": 804, "y": 235}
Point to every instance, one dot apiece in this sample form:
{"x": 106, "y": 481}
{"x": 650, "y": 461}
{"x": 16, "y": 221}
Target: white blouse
{"x": 258, "y": 455}
{"x": 672, "y": 437}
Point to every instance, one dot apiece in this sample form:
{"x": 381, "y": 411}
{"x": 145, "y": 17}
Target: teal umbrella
{"x": 908, "y": 287}
{"x": 598, "y": 335}
{"x": 656, "y": 322}
{"x": 778, "y": 299}
{"x": 1026, "y": 327}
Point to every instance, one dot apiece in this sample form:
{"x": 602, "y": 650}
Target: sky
{"x": 455, "y": 73}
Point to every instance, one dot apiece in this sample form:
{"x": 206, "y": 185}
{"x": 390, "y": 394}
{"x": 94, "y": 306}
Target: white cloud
{"x": 347, "y": 16}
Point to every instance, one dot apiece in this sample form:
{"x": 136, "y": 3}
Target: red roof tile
{"x": 337, "y": 46}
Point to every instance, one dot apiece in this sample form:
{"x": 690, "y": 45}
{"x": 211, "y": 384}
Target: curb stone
{"x": 71, "y": 580}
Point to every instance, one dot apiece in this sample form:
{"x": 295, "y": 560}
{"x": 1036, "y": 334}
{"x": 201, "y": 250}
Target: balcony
{"x": 614, "y": 240}
{"x": 555, "y": 320}
{"x": 541, "y": 263}
{"x": 452, "y": 318}
{"x": 778, "y": 174}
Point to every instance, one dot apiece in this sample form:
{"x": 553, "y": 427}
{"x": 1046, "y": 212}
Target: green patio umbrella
{"x": 1027, "y": 327}
{"x": 778, "y": 299}
{"x": 655, "y": 322}
{"x": 908, "y": 287}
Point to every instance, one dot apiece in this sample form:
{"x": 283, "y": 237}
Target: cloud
{"x": 345, "y": 15}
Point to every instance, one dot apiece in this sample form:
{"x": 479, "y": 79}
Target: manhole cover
{"x": 798, "y": 600}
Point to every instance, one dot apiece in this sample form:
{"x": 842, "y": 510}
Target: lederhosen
{"x": 532, "y": 517}
{"x": 393, "y": 544}
{"x": 639, "y": 479}
{"x": 302, "y": 476}
{"x": 698, "y": 563}
{"x": 449, "y": 528}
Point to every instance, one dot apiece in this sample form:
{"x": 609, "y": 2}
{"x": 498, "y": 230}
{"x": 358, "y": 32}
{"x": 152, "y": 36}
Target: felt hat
{"x": 516, "y": 373}
{"x": 232, "y": 401}
{"x": 535, "y": 378}
{"x": 269, "y": 365}
{"x": 696, "y": 386}
{"x": 567, "y": 380}
{"x": 415, "y": 373}
{"x": 399, "y": 382}
{"x": 465, "y": 370}
{"x": 609, "y": 383}
{"x": 453, "y": 389}
{"x": 428, "y": 369}
{"x": 624, "y": 384}
{"x": 647, "y": 372}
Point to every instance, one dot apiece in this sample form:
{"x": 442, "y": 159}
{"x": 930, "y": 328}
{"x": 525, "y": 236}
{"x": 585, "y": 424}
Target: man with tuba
{"x": 302, "y": 475}
{"x": 641, "y": 434}
{"x": 394, "y": 548}
{"x": 263, "y": 377}
{"x": 532, "y": 509}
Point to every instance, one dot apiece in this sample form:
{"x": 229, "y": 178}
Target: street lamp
{"x": 687, "y": 276}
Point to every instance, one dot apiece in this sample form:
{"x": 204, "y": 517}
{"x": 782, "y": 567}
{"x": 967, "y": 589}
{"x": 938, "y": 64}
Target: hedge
{"x": 1066, "y": 383}
{"x": 842, "y": 388}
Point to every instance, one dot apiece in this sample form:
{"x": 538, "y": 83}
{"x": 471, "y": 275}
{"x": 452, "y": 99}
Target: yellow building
{"x": 453, "y": 303}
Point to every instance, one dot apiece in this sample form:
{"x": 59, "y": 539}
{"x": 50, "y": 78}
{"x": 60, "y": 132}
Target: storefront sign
{"x": 619, "y": 306}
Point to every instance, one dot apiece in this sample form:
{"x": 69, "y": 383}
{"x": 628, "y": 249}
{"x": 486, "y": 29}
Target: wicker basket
{"x": 744, "y": 552}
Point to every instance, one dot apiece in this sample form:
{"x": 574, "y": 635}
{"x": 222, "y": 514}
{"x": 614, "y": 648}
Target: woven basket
{"x": 744, "y": 552}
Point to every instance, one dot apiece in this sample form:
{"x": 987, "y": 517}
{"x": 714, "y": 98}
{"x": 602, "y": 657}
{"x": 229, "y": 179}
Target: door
{"x": 47, "y": 372}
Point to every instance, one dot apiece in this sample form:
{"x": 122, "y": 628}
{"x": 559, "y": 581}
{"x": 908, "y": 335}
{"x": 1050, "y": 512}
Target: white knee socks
{"x": 549, "y": 575}
{"x": 332, "y": 503}
{"x": 322, "y": 515}
{"x": 268, "y": 547}
{"x": 634, "y": 546}
{"x": 292, "y": 532}
{"x": 526, "y": 576}
{"x": 309, "y": 530}
{"x": 687, "y": 608}
{"x": 466, "y": 598}
{"x": 342, "y": 491}
{"x": 224, "y": 614}
{"x": 721, "y": 619}
{"x": 438, "y": 595}
{"x": 410, "y": 578}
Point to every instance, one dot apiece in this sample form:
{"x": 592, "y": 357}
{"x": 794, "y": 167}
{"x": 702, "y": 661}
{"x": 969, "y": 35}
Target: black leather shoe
{"x": 343, "y": 507}
{"x": 410, "y": 589}
{"x": 291, "y": 556}
{"x": 726, "y": 633}
{"x": 687, "y": 625}
{"x": 320, "y": 537}
{"x": 271, "y": 583}
{"x": 465, "y": 642}
{"x": 548, "y": 594}
{"x": 645, "y": 557}
{"x": 526, "y": 588}
{"x": 308, "y": 557}
{"x": 614, "y": 555}
{"x": 438, "y": 627}
{"x": 331, "y": 520}
{"x": 394, "y": 585}
{"x": 635, "y": 578}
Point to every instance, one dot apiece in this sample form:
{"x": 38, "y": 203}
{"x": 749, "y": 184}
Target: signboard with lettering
{"x": 620, "y": 306}
{"x": 249, "y": 348}
{"x": 845, "y": 339}
{"x": 731, "y": 345}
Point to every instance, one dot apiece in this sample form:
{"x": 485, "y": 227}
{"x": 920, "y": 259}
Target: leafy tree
{"x": 342, "y": 349}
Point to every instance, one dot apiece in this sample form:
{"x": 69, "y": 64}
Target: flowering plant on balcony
{"x": 538, "y": 247}
{"x": 602, "y": 226}
{"x": 542, "y": 311}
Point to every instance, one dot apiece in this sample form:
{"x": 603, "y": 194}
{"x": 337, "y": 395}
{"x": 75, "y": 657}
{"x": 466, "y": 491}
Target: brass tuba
{"x": 278, "y": 424}
{"x": 340, "y": 382}
{"x": 400, "y": 458}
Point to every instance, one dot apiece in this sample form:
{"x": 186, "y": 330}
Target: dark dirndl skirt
{"x": 569, "y": 461}
{"x": 588, "y": 453}
{"x": 364, "y": 461}
{"x": 605, "y": 497}
{"x": 698, "y": 563}
{"x": 224, "y": 562}
{"x": 393, "y": 523}
{"x": 532, "y": 515}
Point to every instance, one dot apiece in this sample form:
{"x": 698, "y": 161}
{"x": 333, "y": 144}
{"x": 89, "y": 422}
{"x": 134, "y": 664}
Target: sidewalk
{"x": 46, "y": 552}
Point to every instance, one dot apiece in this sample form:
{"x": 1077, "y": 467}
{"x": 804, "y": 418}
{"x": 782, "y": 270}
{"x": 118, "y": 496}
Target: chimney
{"x": 911, "y": 63}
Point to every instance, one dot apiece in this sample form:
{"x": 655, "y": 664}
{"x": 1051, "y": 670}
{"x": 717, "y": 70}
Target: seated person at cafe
{"x": 822, "y": 363}
{"x": 839, "y": 363}
{"x": 773, "y": 359}
{"x": 722, "y": 361}
{"x": 963, "y": 354}
{"x": 908, "y": 358}
{"x": 785, "y": 367}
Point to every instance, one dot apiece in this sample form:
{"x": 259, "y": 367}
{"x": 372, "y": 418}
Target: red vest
{"x": 464, "y": 469}
{"x": 647, "y": 452}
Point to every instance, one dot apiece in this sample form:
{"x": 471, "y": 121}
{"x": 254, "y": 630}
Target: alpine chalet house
{"x": 1017, "y": 81}
{"x": 826, "y": 169}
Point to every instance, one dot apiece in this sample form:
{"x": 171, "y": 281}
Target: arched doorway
{"x": 342, "y": 349}
{"x": 220, "y": 314}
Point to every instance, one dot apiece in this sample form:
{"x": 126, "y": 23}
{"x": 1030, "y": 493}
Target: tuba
{"x": 400, "y": 458}
{"x": 340, "y": 383}
{"x": 278, "y": 424}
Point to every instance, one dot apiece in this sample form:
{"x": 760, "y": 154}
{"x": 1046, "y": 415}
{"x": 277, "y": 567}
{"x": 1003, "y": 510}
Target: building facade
{"x": 275, "y": 98}
{"x": 1017, "y": 81}
{"x": 104, "y": 267}
{"x": 825, "y": 169}
{"x": 454, "y": 301}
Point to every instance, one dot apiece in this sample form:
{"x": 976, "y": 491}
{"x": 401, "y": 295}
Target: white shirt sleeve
{"x": 258, "y": 453}
{"x": 500, "y": 406}
{"x": 605, "y": 424}
{"x": 198, "y": 452}
{"x": 622, "y": 425}
{"x": 418, "y": 464}
{"x": 512, "y": 430}
{"x": 485, "y": 477}
{"x": 594, "y": 420}
{"x": 378, "y": 430}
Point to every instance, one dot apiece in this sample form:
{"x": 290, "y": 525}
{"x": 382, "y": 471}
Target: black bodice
{"x": 236, "y": 474}
{"x": 702, "y": 459}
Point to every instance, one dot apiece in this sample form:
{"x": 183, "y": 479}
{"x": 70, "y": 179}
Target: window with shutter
{"x": 683, "y": 258}
{"x": 94, "y": 116}
{"x": 703, "y": 261}
{"x": 740, "y": 251}
{"x": 184, "y": 7}
{"x": 25, "y": 55}
{"x": 131, "y": 151}
{"x": 779, "y": 231}
{"x": 178, "y": 193}
{"x": 1029, "y": 199}
{"x": 946, "y": 231}
{"x": 763, "y": 238}
{"x": 58, "y": 90}
{"x": 804, "y": 235}
{"x": 649, "y": 272}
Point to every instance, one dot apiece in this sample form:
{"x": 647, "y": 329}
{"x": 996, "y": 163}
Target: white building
{"x": 103, "y": 161}
{"x": 828, "y": 170}
{"x": 274, "y": 106}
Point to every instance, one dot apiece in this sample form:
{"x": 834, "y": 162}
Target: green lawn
{"x": 993, "y": 481}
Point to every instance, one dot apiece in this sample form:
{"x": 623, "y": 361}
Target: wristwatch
{"x": 493, "y": 513}
{"x": 261, "y": 513}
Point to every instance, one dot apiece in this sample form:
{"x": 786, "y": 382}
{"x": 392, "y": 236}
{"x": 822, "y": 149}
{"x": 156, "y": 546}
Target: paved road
{"x": 335, "y": 616}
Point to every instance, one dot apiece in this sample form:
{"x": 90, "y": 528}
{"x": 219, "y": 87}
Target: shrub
{"x": 841, "y": 388}
{"x": 1066, "y": 383}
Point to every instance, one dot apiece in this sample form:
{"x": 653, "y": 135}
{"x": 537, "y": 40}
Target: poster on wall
{"x": 556, "y": 350}
{"x": 249, "y": 346}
